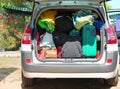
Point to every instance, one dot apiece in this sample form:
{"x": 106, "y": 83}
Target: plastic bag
{"x": 45, "y": 24}
{"x": 47, "y": 20}
{"x": 82, "y": 17}
{"x": 47, "y": 41}
{"x": 79, "y": 22}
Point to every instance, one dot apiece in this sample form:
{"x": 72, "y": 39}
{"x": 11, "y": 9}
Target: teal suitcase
{"x": 89, "y": 41}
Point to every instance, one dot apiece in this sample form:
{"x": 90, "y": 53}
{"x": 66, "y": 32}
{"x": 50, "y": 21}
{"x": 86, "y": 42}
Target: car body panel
{"x": 106, "y": 75}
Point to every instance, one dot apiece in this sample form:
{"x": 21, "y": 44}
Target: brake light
{"x": 26, "y": 36}
{"x": 27, "y": 31}
{"x": 109, "y": 61}
{"x": 28, "y": 60}
{"x": 111, "y": 36}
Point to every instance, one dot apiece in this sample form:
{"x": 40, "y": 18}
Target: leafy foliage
{"x": 12, "y": 29}
{"x": 12, "y": 24}
{"x": 107, "y": 6}
{"x": 18, "y": 3}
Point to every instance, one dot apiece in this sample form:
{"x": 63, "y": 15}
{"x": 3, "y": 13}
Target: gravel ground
{"x": 10, "y": 54}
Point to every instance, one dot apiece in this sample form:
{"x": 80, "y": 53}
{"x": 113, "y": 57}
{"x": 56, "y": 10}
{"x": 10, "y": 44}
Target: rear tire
{"x": 112, "y": 81}
{"x": 26, "y": 82}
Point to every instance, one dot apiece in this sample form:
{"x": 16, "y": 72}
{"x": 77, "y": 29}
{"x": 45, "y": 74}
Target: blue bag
{"x": 98, "y": 24}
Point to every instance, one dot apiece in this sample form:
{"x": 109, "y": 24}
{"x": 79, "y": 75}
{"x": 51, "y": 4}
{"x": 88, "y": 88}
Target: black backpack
{"x": 59, "y": 38}
{"x": 63, "y": 23}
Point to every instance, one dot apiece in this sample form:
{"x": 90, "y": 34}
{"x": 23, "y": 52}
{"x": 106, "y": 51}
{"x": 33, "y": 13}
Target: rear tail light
{"x": 111, "y": 36}
{"x": 26, "y": 36}
{"x": 28, "y": 60}
{"x": 109, "y": 61}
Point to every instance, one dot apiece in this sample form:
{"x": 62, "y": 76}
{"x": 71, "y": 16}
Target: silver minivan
{"x": 103, "y": 67}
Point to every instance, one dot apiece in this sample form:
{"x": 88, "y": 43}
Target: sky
{"x": 114, "y": 4}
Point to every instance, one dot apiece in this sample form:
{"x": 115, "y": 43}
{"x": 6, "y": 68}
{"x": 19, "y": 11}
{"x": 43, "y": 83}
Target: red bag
{"x": 59, "y": 49}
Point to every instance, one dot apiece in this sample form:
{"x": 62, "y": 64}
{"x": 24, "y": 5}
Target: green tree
{"x": 19, "y": 3}
{"x": 12, "y": 24}
{"x": 108, "y": 7}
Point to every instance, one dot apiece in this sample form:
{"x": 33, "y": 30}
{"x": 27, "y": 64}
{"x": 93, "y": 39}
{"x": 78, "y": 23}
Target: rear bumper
{"x": 70, "y": 75}
{"x": 67, "y": 70}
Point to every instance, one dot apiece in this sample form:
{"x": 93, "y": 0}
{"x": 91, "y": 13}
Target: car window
{"x": 114, "y": 15}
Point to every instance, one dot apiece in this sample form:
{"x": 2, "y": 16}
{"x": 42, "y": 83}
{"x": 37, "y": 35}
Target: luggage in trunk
{"x": 63, "y": 23}
{"x": 59, "y": 38}
{"x": 89, "y": 41}
{"x": 71, "y": 49}
{"x": 70, "y": 45}
{"x": 47, "y": 52}
{"x": 71, "y": 42}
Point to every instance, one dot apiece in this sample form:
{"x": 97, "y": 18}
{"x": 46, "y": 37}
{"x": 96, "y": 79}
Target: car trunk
{"x": 81, "y": 40}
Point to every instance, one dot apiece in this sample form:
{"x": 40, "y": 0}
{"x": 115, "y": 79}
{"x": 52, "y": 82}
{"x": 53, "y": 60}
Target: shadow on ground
{"x": 68, "y": 84}
{"x": 5, "y": 72}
